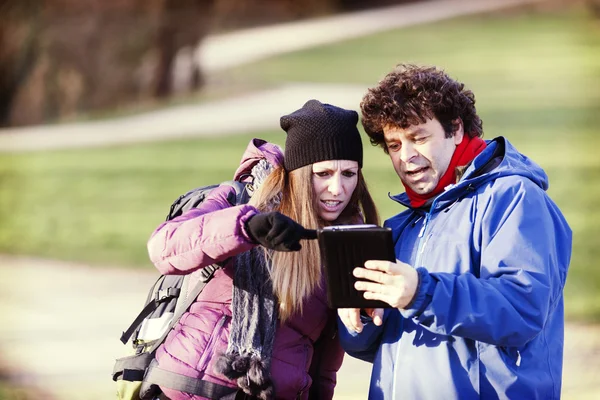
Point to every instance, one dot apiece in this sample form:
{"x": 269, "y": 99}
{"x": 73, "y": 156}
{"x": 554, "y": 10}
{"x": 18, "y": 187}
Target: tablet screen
{"x": 346, "y": 247}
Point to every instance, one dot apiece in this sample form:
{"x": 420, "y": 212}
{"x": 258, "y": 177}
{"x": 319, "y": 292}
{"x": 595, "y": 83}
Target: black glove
{"x": 275, "y": 231}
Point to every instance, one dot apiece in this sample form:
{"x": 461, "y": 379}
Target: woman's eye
{"x": 393, "y": 146}
{"x": 321, "y": 174}
{"x": 348, "y": 174}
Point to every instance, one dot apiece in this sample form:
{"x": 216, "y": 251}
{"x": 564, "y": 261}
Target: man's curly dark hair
{"x": 410, "y": 95}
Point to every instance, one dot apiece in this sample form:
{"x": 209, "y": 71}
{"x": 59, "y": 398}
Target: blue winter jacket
{"x": 487, "y": 321}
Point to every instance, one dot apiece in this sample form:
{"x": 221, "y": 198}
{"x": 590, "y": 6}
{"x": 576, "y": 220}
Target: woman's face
{"x": 333, "y": 183}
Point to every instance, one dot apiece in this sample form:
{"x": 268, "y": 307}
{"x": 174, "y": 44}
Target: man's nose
{"x": 407, "y": 152}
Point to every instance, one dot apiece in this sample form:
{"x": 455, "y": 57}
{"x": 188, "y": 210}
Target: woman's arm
{"x": 201, "y": 236}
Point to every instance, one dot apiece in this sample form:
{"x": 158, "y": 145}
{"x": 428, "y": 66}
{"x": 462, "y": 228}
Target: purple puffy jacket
{"x": 212, "y": 233}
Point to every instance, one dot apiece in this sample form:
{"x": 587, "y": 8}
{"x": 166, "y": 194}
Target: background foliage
{"x": 535, "y": 76}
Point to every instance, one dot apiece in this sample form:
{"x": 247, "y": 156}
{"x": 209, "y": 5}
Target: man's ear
{"x": 459, "y": 132}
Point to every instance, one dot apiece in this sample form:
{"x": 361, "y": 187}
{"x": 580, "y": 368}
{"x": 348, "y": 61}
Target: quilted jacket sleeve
{"x": 201, "y": 236}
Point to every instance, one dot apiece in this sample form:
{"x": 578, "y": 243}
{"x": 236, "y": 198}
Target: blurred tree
{"x": 182, "y": 24}
{"x": 361, "y": 4}
{"x": 594, "y": 6}
{"x": 59, "y": 58}
{"x": 70, "y": 56}
{"x": 19, "y": 28}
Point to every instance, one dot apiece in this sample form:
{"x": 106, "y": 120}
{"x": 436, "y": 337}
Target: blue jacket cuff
{"x": 423, "y": 296}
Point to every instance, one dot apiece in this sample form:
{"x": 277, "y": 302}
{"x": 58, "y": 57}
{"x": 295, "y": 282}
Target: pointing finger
{"x": 309, "y": 234}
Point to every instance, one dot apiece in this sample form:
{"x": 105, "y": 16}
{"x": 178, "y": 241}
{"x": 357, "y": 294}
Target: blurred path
{"x": 236, "y": 48}
{"x": 248, "y": 45}
{"x": 62, "y": 323}
{"x": 252, "y": 112}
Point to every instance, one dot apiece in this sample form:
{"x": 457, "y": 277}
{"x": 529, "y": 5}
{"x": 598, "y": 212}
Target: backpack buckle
{"x": 167, "y": 293}
{"x": 207, "y": 272}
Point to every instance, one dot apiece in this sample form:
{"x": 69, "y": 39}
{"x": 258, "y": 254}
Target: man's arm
{"x": 525, "y": 252}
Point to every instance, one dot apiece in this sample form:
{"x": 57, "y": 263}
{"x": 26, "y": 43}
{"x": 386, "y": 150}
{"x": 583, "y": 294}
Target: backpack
{"x": 136, "y": 375}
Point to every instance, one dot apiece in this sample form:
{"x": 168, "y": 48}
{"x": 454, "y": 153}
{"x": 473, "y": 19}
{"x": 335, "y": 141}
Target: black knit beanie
{"x": 320, "y": 132}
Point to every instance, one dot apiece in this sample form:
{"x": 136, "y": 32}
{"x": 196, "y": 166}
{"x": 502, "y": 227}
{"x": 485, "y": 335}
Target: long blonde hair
{"x": 295, "y": 275}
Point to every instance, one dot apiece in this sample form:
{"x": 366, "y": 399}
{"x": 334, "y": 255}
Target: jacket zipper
{"x": 422, "y": 242}
{"x": 421, "y": 248}
{"x": 209, "y": 349}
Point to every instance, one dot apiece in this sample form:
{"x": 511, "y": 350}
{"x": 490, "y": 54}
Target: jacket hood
{"x": 500, "y": 158}
{"x": 257, "y": 150}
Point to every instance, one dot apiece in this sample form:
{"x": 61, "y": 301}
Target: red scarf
{"x": 464, "y": 153}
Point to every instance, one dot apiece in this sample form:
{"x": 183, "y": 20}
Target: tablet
{"x": 345, "y": 247}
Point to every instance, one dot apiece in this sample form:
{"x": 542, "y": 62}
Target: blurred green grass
{"x": 8, "y": 392}
{"x": 535, "y": 77}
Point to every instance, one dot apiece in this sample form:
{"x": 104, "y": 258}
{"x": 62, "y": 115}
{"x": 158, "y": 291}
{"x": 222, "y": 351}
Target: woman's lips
{"x": 331, "y": 205}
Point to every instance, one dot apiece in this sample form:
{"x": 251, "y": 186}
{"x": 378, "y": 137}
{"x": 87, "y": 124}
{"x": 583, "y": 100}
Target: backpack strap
{"x": 183, "y": 294}
{"x": 242, "y": 192}
{"x": 207, "y": 274}
{"x": 132, "y": 366}
{"x": 154, "y": 376}
{"x": 187, "y": 384}
{"x": 193, "y": 198}
{"x": 241, "y": 196}
{"x": 160, "y": 297}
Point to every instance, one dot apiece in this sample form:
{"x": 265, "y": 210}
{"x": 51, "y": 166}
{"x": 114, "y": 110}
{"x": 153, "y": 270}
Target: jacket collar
{"x": 475, "y": 175}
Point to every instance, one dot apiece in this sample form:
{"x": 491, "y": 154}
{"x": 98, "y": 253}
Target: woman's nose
{"x": 335, "y": 185}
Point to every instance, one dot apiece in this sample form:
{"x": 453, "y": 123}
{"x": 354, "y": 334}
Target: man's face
{"x": 421, "y": 153}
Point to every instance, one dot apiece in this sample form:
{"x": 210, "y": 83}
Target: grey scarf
{"x": 254, "y": 309}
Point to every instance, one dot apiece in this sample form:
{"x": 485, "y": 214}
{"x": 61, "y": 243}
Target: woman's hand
{"x": 351, "y": 317}
{"x": 278, "y": 232}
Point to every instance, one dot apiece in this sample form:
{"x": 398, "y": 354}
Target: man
{"x": 482, "y": 255}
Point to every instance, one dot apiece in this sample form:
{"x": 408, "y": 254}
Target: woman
{"x": 256, "y": 324}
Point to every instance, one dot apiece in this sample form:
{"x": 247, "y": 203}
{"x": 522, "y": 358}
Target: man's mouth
{"x": 416, "y": 171}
